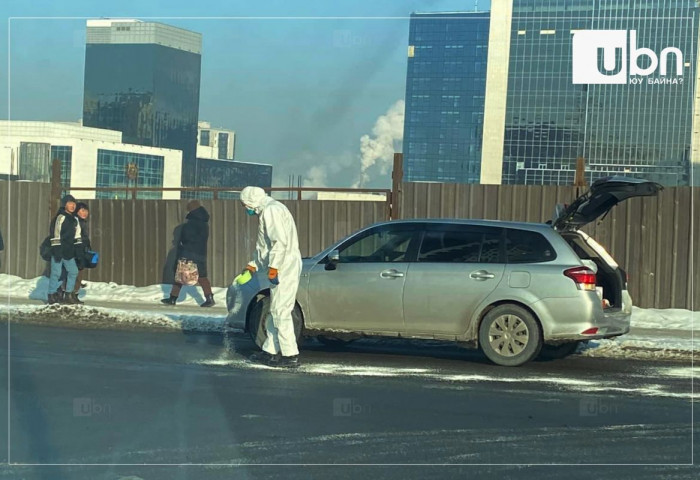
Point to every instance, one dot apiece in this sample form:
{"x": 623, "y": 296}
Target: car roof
{"x": 481, "y": 223}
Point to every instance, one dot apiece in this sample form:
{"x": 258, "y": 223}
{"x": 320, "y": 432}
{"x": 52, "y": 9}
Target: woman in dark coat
{"x": 82, "y": 246}
{"x": 193, "y": 246}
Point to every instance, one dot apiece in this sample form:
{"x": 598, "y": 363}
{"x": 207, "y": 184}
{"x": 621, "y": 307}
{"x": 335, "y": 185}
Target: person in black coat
{"x": 193, "y": 246}
{"x": 63, "y": 231}
{"x": 82, "y": 245}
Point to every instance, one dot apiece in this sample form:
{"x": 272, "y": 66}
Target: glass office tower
{"x": 642, "y": 126}
{"x": 143, "y": 79}
{"x": 640, "y": 129}
{"x": 445, "y": 88}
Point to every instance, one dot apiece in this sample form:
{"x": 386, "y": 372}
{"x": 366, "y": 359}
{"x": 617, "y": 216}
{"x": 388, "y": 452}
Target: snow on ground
{"x": 81, "y": 316}
{"x": 668, "y": 319}
{"x": 37, "y": 289}
{"x": 661, "y": 334}
{"x": 647, "y": 387}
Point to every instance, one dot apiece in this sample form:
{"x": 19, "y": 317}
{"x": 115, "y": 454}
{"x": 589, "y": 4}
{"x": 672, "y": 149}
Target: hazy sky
{"x": 300, "y": 93}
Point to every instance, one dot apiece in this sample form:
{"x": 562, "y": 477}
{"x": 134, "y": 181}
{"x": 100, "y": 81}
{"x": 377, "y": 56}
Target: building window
{"x": 65, "y": 155}
{"x": 223, "y": 145}
{"x": 204, "y": 138}
{"x": 111, "y": 172}
{"x": 34, "y": 164}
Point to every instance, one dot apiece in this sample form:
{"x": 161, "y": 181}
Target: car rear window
{"x": 523, "y": 246}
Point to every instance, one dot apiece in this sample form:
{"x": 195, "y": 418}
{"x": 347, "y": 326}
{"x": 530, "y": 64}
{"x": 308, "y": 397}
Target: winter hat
{"x": 66, "y": 199}
{"x": 252, "y": 197}
{"x": 82, "y": 205}
{"x": 193, "y": 205}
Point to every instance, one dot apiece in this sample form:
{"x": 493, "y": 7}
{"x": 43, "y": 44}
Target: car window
{"x": 381, "y": 245}
{"x": 523, "y": 246}
{"x": 446, "y": 247}
{"x": 460, "y": 245}
{"x": 491, "y": 248}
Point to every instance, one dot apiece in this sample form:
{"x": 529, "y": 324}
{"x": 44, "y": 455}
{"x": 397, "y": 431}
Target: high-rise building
{"x": 612, "y": 81}
{"x": 143, "y": 79}
{"x": 445, "y": 88}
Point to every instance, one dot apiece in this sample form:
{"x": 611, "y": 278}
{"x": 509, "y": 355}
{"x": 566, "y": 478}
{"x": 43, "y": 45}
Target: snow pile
{"x": 669, "y": 319}
{"x": 37, "y": 289}
{"x": 82, "y": 316}
{"x": 641, "y": 348}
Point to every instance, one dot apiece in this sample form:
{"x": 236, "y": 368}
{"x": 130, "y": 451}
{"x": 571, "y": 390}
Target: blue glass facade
{"x": 149, "y": 92}
{"x": 445, "y": 91}
{"x": 642, "y": 127}
{"x": 111, "y": 172}
{"x": 641, "y": 130}
{"x": 65, "y": 155}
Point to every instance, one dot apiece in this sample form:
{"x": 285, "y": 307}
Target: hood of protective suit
{"x": 254, "y": 198}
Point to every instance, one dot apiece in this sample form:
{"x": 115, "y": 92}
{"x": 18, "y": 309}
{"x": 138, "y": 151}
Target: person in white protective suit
{"x": 277, "y": 250}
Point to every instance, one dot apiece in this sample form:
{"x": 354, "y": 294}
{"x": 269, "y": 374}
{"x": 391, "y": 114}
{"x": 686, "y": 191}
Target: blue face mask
{"x": 250, "y": 212}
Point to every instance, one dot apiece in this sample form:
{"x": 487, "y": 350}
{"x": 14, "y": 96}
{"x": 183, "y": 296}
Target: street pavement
{"x": 111, "y": 404}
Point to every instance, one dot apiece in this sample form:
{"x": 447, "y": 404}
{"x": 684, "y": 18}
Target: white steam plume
{"x": 379, "y": 149}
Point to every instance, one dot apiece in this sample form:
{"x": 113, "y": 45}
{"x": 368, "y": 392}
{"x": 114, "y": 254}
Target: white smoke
{"x": 333, "y": 172}
{"x": 379, "y": 149}
{"x": 316, "y": 176}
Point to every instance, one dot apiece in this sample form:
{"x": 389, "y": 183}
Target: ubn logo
{"x": 589, "y": 46}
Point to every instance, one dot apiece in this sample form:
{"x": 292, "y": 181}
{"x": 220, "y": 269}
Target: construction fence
{"x": 654, "y": 239}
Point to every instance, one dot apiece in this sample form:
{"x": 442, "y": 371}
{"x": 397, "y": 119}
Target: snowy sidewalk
{"x": 655, "y": 334}
{"x": 109, "y": 305}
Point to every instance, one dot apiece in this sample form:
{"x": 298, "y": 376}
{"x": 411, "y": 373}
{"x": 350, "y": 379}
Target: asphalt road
{"x": 105, "y": 398}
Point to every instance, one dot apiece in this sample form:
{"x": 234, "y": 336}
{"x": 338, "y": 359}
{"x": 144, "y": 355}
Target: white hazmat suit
{"x": 277, "y": 247}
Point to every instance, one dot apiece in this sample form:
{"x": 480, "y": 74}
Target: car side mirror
{"x": 333, "y": 260}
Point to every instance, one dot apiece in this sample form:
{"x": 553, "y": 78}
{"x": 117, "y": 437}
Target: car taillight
{"x": 590, "y": 331}
{"x": 583, "y": 277}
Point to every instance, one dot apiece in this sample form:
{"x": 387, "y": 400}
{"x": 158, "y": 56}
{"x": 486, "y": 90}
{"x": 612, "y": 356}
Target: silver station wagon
{"x": 512, "y": 289}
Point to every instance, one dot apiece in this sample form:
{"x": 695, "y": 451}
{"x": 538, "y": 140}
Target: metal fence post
{"x": 56, "y": 187}
{"x": 396, "y": 179}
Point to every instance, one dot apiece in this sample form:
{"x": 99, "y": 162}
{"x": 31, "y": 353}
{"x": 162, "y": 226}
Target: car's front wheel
{"x": 257, "y": 322}
{"x": 510, "y": 336}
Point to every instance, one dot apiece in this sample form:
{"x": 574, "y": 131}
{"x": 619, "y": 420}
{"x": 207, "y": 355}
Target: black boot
{"x": 72, "y": 299}
{"x": 264, "y": 358}
{"x": 288, "y": 362}
{"x": 209, "y": 301}
{"x": 60, "y": 295}
{"x": 52, "y": 299}
{"x": 169, "y": 301}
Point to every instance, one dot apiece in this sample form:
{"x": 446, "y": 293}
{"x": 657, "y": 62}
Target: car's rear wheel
{"x": 258, "y": 315}
{"x": 510, "y": 336}
{"x": 555, "y": 352}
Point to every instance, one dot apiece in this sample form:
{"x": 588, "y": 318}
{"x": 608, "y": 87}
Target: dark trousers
{"x": 203, "y": 282}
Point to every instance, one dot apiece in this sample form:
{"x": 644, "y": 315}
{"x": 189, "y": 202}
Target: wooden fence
{"x": 655, "y": 239}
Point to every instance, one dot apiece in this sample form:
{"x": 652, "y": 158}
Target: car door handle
{"x": 481, "y": 275}
{"x": 391, "y": 274}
